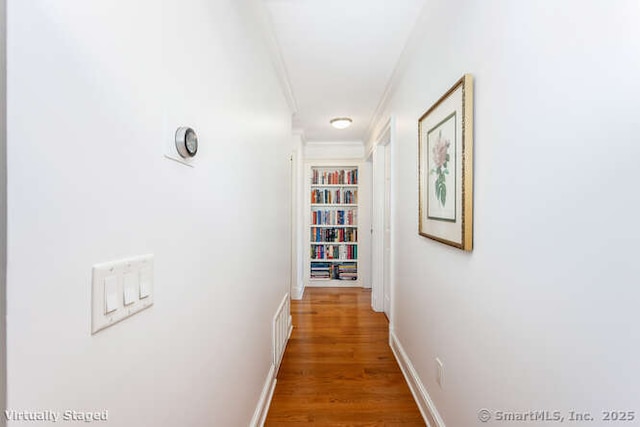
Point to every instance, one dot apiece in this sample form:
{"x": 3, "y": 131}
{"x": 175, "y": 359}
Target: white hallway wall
{"x": 543, "y": 313}
{"x": 94, "y": 90}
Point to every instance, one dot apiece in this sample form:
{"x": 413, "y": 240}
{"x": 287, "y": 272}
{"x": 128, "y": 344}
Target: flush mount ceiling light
{"x": 341, "y": 122}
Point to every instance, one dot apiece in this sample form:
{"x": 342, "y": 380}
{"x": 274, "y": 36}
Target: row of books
{"x": 327, "y": 271}
{"x": 335, "y": 177}
{"x": 334, "y": 251}
{"x": 334, "y": 196}
{"x": 334, "y": 217}
{"x": 334, "y": 234}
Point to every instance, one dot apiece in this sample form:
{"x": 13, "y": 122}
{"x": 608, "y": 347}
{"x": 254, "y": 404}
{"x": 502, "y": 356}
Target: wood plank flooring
{"x": 338, "y": 369}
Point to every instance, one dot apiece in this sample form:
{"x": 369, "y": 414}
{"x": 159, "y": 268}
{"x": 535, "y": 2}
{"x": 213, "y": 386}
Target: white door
{"x": 381, "y": 264}
{"x": 293, "y": 252}
{"x": 377, "y": 231}
{"x": 386, "y": 265}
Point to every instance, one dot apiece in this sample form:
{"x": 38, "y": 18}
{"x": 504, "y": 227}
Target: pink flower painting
{"x": 441, "y": 159}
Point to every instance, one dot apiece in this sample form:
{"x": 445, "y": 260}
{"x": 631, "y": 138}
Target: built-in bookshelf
{"x": 333, "y": 225}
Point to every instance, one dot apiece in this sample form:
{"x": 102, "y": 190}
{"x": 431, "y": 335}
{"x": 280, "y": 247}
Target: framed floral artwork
{"x": 445, "y": 167}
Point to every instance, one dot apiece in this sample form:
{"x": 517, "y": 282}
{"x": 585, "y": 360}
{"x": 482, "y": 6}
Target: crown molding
{"x": 277, "y": 59}
{"x": 410, "y": 46}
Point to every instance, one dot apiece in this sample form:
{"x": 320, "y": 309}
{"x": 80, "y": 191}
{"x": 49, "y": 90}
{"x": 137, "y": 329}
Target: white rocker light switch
{"x": 110, "y": 294}
{"x": 130, "y": 285}
{"x": 145, "y": 282}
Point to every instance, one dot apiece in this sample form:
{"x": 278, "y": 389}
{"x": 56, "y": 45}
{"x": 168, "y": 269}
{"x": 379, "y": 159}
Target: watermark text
{"x": 555, "y": 416}
{"x": 68, "y": 415}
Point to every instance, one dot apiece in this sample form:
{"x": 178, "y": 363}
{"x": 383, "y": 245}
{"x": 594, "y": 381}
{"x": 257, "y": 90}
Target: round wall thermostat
{"x": 186, "y": 142}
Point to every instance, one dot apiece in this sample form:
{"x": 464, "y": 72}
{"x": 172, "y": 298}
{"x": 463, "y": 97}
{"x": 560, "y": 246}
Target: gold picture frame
{"x": 445, "y": 167}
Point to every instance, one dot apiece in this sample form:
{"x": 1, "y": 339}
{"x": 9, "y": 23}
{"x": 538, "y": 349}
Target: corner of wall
{"x": 297, "y": 286}
{"x": 298, "y": 292}
{"x": 273, "y": 46}
{"x": 3, "y": 211}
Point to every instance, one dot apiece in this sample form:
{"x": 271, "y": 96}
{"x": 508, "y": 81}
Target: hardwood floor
{"x": 338, "y": 369}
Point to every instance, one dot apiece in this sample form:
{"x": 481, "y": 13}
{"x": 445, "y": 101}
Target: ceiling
{"x": 339, "y": 56}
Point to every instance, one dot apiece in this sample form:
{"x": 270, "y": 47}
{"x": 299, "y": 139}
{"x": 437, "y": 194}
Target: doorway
{"x": 382, "y": 288}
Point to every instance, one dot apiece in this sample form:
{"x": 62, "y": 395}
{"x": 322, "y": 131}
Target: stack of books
{"x": 347, "y": 271}
{"x": 320, "y": 270}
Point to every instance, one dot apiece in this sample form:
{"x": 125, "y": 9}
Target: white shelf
{"x": 333, "y": 226}
{"x": 334, "y": 185}
{"x": 350, "y": 209}
{"x": 335, "y": 283}
{"x": 333, "y": 205}
{"x": 334, "y": 243}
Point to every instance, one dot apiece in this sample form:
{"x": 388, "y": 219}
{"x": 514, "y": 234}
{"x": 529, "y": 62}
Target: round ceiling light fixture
{"x": 341, "y": 122}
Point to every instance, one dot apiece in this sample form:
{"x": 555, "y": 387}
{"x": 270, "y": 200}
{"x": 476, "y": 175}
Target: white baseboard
{"x": 260, "y": 414}
{"x": 262, "y": 409}
{"x": 290, "y": 327}
{"x": 297, "y": 293}
{"x": 425, "y": 404}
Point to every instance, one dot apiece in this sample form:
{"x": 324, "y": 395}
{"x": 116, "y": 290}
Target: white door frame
{"x": 378, "y": 221}
{"x": 293, "y": 203}
{"x": 3, "y": 210}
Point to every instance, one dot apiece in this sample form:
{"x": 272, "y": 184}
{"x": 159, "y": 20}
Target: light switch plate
{"x": 117, "y": 290}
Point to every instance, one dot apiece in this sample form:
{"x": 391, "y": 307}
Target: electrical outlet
{"x": 439, "y": 372}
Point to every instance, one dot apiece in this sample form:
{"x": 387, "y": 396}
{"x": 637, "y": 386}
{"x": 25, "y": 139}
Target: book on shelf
{"x": 346, "y": 271}
{"x": 334, "y": 177}
{"x": 334, "y": 235}
{"x": 333, "y": 252}
{"x": 341, "y": 271}
{"x": 334, "y": 217}
{"x": 320, "y": 270}
{"x": 334, "y": 196}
